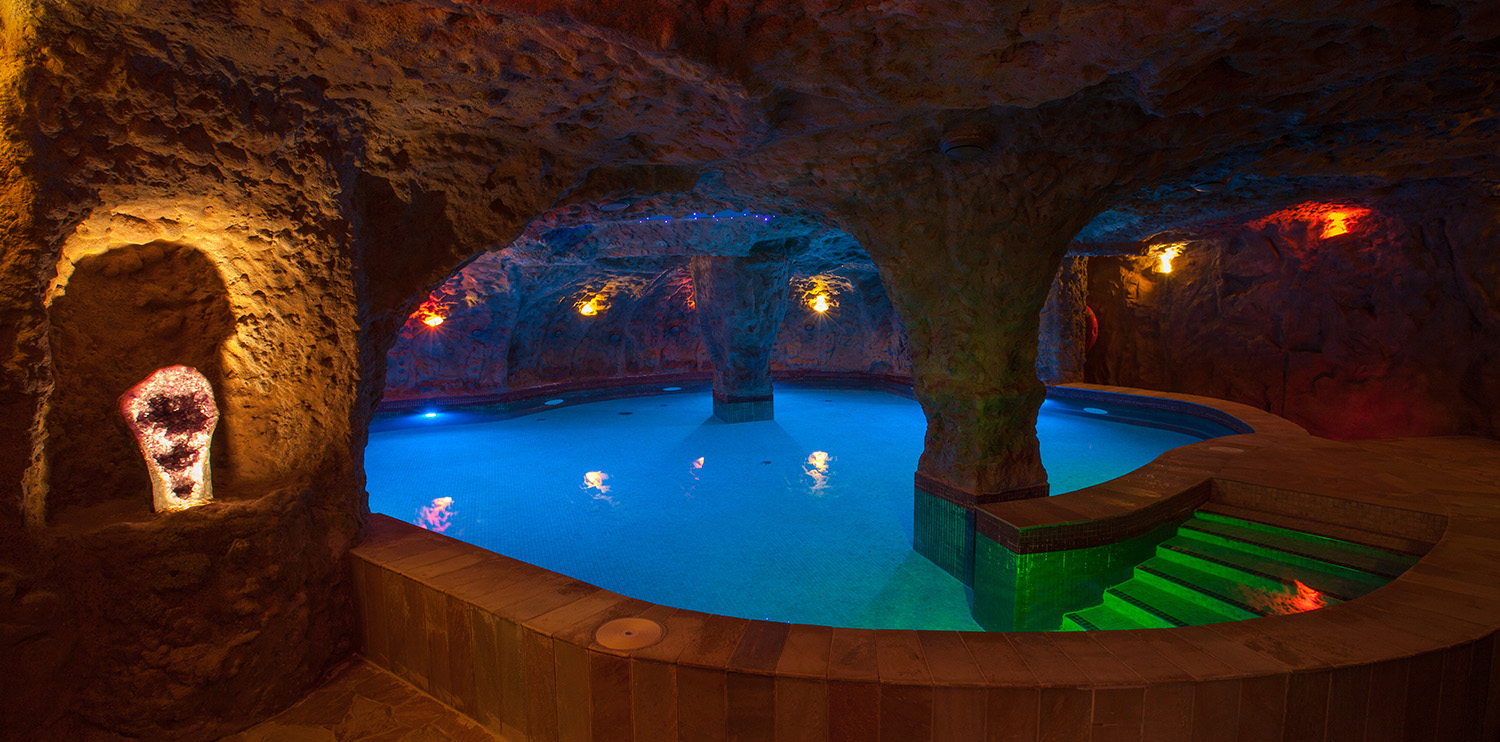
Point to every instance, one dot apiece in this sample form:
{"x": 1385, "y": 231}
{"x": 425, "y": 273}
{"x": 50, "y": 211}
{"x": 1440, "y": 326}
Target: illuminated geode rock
{"x": 172, "y": 415}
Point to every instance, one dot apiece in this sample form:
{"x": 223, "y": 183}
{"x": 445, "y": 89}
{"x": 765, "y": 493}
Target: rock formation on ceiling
{"x": 335, "y": 161}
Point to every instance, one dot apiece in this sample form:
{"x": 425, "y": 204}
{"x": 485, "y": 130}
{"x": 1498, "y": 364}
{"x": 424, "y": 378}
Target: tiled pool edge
{"x": 511, "y": 645}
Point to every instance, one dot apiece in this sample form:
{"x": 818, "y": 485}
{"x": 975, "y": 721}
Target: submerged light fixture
{"x": 1296, "y": 598}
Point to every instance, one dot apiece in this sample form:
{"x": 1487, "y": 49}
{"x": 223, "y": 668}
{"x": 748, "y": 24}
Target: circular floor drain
{"x": 629, "y": 633}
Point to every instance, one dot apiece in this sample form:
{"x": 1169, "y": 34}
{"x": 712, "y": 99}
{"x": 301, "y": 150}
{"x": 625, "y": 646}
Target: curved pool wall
{"x": 1028, "y": 584}
{"x": 516, "y": 647}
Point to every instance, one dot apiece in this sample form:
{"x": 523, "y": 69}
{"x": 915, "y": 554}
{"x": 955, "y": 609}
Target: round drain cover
{"x": 629, "y": 633}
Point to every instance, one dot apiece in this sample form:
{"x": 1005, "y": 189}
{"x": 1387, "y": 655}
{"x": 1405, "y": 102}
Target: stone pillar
{"x": 967, "y": 251}
{"x": 1063, "y": 340}
{"x": 741, "y": 302}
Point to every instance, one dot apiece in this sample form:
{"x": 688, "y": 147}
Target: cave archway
{"x": 122, "y": 315}
{"x": 530, "y": 316}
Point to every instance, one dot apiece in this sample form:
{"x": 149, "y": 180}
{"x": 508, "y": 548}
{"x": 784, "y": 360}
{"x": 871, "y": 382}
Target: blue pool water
{"x": 804, "y": 519}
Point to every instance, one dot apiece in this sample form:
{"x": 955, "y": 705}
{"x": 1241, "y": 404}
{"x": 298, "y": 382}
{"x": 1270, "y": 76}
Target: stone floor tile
{"x": 362, "y": 703}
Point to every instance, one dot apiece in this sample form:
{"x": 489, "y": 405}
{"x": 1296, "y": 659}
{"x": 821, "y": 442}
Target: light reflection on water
{"x": 817, "y": 468}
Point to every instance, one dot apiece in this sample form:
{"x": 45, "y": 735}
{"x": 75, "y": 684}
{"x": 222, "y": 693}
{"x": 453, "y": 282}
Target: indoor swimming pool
{"x": 804, "y": 519}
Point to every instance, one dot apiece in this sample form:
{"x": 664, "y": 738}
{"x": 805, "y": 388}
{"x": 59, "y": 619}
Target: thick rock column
{"x": 740, "y": 303}
{"x": 968, "y": 246}
{"x": 1063, "y": 340}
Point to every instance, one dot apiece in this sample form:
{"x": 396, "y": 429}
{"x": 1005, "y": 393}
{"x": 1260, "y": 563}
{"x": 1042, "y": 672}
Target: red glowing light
{"x": 1336, "y": 223}
{"x": 431, "y": 313}
{"x": 1329, "y": 219}
{"x": 1306, "y": 599}
{"x": 1299, "y": 600}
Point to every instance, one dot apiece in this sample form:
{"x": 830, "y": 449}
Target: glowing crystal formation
{"x": 172, "y": 415}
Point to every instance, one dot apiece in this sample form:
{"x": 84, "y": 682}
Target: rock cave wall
{"x": 132, "y": 250}
{"x": 1391, "y": 329}
{"x": 509, "y": 327}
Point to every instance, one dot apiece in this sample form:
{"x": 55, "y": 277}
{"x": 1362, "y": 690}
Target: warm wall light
{"x": 1336, "y": 223}
{"x": 430, "y": 313}
{"x": 1164, "y": 255}
{"x": 820, "y": 292}
{"x": 1335, "y": 218}
{"x": 591, "y": 307}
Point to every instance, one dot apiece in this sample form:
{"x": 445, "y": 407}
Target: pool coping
{"x": 512, "y": 645}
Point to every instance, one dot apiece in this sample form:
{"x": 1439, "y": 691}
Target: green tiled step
{"x": 1070, "y": 623}
{"x": 1293, "y": 547}
{"x": 1267, "y": 573}
{"x": 1105, "y": 616}
{"x": 1212, "y": 591}
{"x": 1218, "y": 569}
{"x": 1396, "y": 544}
{"x": 1170, "y": 603}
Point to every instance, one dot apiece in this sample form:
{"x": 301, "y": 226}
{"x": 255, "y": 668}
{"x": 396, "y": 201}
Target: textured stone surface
{"x": 510, "y": 324}
{"x": 1063, "y": 339}
{"x": 362, "y": 703}
{"x": 1389, "y": 330}
{"x": 740, "y": 304}
{"x": 331, "y": 163}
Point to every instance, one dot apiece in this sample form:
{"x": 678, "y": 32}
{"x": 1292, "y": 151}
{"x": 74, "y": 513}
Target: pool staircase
{"x": 1224, "y": 568}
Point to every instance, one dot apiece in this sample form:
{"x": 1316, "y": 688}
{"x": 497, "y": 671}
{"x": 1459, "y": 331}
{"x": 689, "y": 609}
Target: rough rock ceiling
{"x": 514, "y": 110}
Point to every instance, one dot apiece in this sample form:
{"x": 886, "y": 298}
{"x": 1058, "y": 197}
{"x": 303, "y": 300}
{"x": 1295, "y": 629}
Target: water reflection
{"x": 594, "y": 480}
{"x": 816, "y": 467}
{"x": 437, "y": 516}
